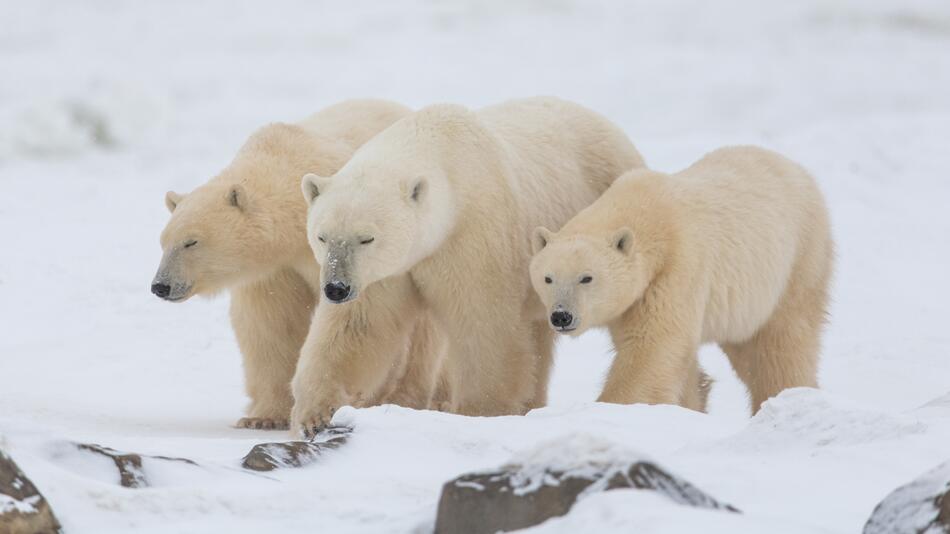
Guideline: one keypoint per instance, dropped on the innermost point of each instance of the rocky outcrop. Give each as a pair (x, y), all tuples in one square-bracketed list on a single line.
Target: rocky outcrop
[(23, 510), (269, 456), (129, 465), (921, 506), (521, 495)]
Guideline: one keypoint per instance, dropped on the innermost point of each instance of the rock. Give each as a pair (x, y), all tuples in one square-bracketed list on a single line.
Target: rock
[(129, 465), (920, 507), (23, 510), (269, 456), (522, 495)]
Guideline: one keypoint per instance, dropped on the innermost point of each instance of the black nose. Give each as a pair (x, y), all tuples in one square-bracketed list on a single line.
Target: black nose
[(336, 291), (161, 290), (561, 319)]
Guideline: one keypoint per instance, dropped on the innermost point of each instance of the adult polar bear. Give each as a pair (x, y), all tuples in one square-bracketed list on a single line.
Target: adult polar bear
[(244, 230), (735, 250), (450, 196)]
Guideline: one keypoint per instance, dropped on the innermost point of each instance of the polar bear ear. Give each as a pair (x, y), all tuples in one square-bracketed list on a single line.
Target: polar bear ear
[(622, 240), (313, 186), (540, 239), (172, 199), (237, 197)]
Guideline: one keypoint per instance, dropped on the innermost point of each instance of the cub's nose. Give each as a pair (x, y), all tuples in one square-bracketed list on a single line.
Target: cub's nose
[(336, 291), (560, 319), (161, 290)]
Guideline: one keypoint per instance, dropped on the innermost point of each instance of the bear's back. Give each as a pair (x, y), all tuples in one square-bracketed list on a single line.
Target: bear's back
[(748, 212), (562, 155), (356, 121)]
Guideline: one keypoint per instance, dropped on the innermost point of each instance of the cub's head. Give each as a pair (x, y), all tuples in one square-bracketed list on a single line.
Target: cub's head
[(241, 224), (372, 223), (586, 280)]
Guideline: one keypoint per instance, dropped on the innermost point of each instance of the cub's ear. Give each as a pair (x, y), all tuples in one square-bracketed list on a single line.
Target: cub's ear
[(237, 197), (313, 186), (540, 239), (622, 240), (172, 199)]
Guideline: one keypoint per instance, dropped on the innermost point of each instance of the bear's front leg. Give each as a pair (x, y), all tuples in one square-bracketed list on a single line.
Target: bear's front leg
[(270, 319), (349, 354), (317, 384), (654, 363)]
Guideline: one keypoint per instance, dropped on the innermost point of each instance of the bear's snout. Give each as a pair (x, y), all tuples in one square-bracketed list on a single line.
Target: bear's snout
[(161, 290), (336, 291), (562, 320)]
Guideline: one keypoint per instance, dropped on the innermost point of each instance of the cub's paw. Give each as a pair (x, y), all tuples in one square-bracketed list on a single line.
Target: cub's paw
[(263, 423)]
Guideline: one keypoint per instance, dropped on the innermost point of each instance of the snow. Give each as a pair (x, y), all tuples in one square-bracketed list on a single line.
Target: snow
[(26, 506), (574, 456), (104, 106)]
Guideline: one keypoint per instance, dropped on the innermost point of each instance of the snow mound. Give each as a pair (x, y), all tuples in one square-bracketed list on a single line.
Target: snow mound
[(66, 125), (804, 418), (644, 512)]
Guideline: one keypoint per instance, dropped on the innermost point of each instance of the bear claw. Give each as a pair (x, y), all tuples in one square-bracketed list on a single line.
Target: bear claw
[(262, 423)]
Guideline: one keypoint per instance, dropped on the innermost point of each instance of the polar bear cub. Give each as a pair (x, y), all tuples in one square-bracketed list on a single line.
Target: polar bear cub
[(734, 250)]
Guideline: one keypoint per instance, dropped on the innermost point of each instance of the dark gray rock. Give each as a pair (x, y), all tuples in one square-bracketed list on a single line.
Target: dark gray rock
[(129, 465), (506, 500), (269, 456), (23, 510), (921, 506)]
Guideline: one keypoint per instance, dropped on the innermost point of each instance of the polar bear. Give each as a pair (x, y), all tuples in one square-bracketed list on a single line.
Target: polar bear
[(244, 231), (449, 196), (735, 250)]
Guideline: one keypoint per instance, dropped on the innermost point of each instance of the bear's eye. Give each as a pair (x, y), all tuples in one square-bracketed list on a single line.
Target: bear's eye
[(190, 243), (321, 239), (367, 241), (587, 279), (547, 280)]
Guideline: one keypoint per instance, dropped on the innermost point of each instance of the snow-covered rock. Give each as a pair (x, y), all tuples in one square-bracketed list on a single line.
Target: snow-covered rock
[(919, 507), (129, 465), (23, 510), (270, 456), (547, 481)]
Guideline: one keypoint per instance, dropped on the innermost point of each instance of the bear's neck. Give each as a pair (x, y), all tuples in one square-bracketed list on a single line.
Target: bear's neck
[(653, 218)]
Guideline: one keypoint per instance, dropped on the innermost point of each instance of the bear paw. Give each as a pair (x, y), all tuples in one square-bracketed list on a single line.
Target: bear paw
[(310, 421), (263, 423)]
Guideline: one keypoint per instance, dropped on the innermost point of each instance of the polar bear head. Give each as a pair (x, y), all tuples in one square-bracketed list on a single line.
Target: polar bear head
[(586, 280), (244, 223), (369, 222)]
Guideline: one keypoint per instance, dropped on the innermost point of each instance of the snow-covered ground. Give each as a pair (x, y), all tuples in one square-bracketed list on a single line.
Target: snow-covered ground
[(104, 105)]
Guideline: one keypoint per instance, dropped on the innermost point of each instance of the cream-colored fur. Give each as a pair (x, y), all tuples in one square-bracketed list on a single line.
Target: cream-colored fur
[(449, 196), (735, 250), (247, 226)]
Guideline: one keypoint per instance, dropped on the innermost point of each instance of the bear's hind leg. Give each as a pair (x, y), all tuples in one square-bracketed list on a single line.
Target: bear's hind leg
[(784, 353), (493, 373), (417, 386), (696, 392)]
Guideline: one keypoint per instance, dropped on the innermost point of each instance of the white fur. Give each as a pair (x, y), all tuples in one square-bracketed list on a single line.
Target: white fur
[(485, 179), (735, 250), (246, 228)]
